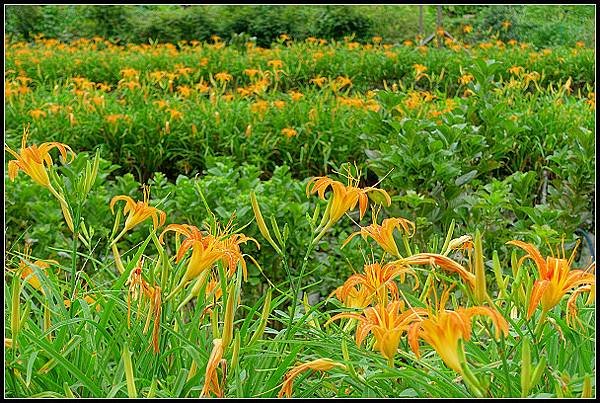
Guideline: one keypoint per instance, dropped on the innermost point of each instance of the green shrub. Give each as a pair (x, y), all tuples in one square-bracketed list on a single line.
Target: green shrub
[(172, 25), (336, 22)]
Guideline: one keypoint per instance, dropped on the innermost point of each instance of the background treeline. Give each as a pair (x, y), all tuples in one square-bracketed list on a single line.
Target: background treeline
[(539, 25)]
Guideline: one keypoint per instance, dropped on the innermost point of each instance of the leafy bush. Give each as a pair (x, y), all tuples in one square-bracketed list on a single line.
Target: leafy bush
[(172, 25), (337, 22)]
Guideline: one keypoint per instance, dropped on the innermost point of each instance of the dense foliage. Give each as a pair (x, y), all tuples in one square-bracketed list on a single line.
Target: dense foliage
[(474, 164)]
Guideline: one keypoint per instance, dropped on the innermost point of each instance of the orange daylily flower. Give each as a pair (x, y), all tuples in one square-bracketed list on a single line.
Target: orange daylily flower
[(232, 255), (276, 64), (138, 212), (223, 77), (387, 323), (289, 132), (34, 160), (344, 197), (465, 79), (383, 234), (516, 70), (26, 272), (373, 285), (207, 250), (556, 278), (443, 328), (321, 364), (211, 380), (419, 71)]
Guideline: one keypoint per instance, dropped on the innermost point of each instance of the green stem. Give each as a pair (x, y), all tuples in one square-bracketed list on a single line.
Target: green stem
[(74, 250), (540, 325), (297, 289)]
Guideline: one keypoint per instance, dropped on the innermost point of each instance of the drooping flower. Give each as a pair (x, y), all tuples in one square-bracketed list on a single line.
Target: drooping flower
[(137, 212), (138, 288), (556, 278), (442, 261), (321, 364)]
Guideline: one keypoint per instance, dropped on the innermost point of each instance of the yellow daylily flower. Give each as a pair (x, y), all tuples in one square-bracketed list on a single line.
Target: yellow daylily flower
[(443, 328), (137, 212), (35, 160), (387, 323), (556, 279), (344, 197), (321, 364), (374, 284), (383, 234)]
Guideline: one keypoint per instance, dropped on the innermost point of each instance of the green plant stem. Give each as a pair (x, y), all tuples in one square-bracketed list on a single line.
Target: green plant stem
[(540, 325), (74, 250), (296, 290)]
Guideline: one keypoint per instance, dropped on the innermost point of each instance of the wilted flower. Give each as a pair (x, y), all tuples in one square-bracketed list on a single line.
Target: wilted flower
[(211, 379), (321, 364), (439, 260)]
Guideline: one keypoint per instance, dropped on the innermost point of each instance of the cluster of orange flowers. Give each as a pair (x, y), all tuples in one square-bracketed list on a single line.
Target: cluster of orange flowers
[(384, 313)]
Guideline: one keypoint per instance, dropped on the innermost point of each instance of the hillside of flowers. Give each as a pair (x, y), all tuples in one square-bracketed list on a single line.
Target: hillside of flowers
[(319, 218)]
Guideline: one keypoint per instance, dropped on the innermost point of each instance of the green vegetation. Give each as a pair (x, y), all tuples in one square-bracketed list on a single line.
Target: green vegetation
[(234, 273)]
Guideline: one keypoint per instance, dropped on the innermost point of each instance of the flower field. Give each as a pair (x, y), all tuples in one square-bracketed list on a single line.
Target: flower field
[(315, 219)]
